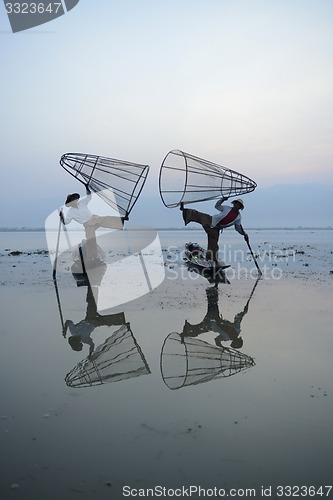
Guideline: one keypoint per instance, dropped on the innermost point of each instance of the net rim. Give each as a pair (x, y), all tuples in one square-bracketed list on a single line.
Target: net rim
[(173, 151)]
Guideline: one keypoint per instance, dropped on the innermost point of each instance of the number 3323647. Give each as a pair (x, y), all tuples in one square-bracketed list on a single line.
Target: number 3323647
[(32, 8)]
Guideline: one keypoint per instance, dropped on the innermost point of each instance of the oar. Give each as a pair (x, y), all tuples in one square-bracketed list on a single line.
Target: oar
[(65, 231), (57, 250), (252, 254)]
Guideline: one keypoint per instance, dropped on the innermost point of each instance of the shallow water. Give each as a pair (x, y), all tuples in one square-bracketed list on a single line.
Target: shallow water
[(263, 421)]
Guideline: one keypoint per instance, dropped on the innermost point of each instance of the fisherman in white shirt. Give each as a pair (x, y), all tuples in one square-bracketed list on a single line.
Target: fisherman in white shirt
[(79, 212)]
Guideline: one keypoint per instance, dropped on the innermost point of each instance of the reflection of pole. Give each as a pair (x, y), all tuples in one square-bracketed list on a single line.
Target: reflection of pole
[(59, 307), (57, 250), (251, 294), (82, 260), (55, 271)]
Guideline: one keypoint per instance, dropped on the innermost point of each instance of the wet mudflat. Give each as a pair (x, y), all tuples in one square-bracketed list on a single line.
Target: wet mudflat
[(164, 399)]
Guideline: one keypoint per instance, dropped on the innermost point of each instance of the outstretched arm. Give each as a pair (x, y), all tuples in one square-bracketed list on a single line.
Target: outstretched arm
[(218, 204), (87, 198)]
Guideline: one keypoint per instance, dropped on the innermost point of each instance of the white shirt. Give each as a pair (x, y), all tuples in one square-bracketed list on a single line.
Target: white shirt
[(224, 210), (81, 213)]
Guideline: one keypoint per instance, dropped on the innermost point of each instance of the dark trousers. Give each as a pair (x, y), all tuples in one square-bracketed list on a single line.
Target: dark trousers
[(213, 233)]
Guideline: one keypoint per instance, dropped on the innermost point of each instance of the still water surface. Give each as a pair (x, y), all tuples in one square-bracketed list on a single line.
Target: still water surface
[(159, 401)]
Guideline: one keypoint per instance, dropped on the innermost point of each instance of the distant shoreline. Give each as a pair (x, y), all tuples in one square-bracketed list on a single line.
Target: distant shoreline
[(299, 228)]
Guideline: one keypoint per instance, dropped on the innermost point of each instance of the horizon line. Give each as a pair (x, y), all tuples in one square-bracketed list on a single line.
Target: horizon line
[(42, 229)]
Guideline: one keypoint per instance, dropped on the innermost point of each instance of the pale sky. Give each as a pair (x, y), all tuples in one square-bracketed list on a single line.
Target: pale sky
[(243, 83)]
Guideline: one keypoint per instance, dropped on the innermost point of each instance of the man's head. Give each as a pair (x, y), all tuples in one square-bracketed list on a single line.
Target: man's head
[(75, 343), (237, 343), (72, 198), (238, 204)]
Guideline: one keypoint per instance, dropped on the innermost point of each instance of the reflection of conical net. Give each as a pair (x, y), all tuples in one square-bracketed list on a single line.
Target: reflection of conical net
[(190, 361), (119, 358), (186, 178), (119, 183)]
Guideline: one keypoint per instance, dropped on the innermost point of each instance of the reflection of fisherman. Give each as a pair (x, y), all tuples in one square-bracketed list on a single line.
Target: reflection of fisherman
[(81, 332), (214, 225), (80, 212), (213, 321)]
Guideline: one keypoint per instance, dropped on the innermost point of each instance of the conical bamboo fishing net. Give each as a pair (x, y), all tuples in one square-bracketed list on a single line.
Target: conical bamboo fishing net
[(119, 183), (188, 361), (185, 178), (119, 358)]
